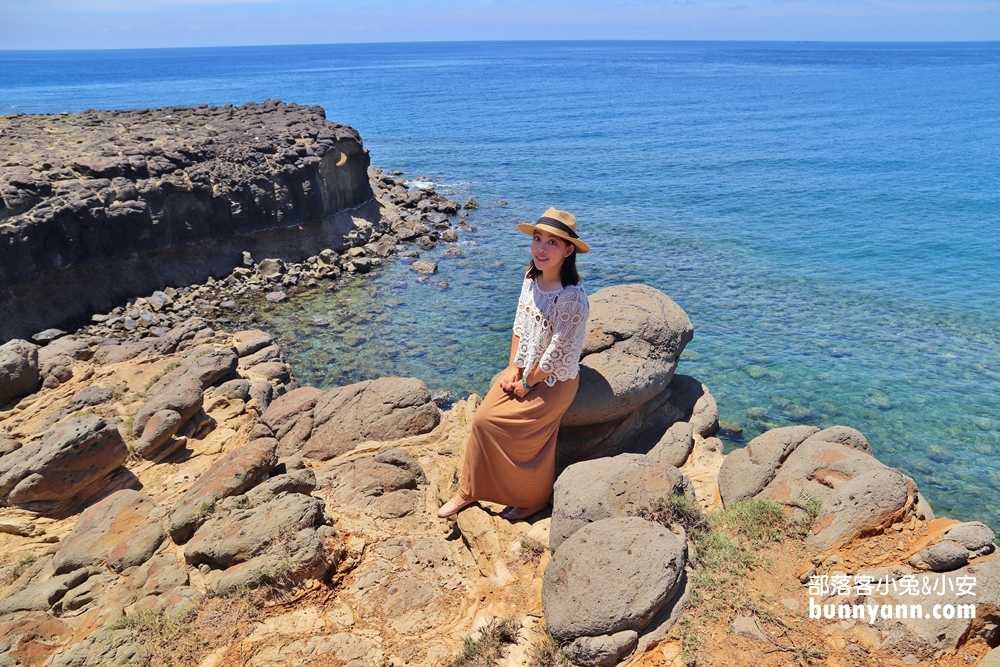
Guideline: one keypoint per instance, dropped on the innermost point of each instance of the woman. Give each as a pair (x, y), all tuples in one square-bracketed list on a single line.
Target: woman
[(510, 454)]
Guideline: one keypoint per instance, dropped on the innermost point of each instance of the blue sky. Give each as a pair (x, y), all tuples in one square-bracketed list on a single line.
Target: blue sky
[(82, 24)]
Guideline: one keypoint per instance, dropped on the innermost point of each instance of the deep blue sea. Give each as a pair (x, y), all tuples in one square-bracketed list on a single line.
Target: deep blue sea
[(827, 214)]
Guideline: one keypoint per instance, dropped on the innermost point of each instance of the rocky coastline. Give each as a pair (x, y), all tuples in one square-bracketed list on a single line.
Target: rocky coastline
[(99, 206), (169, 494)]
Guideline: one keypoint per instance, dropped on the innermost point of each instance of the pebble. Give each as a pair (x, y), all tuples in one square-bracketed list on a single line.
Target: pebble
[(276, 297)]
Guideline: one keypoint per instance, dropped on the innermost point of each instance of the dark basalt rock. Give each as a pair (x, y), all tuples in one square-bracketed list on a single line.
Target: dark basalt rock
[(102, 192)]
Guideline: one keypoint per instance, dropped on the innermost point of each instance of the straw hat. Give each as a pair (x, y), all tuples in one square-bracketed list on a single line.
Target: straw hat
[(558, 223)]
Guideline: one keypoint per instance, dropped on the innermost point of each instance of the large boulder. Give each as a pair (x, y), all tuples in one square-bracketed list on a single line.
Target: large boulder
[(816, 468), (865, 505), (207, 365), (383, 485), (233, 537), (301, 556), (231, 475), (745, 472), (19, 370), (610, 576), (67, 465), (610, 487), (290, 418), (120, 531), (637, 432), (385, 409), (183, 397), (634, 336), (843, 435)]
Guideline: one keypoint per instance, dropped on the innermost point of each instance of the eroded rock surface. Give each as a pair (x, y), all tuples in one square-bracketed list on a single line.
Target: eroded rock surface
[(634, 336), (611, 575), (121, 531), (384, 409), (66, 465), (616, 486), (229, 476), (88, 188)]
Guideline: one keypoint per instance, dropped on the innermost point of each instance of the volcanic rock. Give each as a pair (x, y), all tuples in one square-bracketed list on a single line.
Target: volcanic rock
[(67, 464), (120, 531), (634, 336)]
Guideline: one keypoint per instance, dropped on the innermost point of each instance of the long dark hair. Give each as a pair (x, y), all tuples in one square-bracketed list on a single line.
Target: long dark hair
[(567, 274)]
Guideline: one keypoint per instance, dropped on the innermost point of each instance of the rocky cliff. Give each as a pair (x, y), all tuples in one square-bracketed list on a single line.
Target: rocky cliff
[(99, 206)]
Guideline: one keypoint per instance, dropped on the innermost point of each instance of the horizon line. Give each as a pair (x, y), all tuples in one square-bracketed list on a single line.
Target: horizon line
[(508, 41)]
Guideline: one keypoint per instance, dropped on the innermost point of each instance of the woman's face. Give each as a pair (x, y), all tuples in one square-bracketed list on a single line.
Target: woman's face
[(548, 250)]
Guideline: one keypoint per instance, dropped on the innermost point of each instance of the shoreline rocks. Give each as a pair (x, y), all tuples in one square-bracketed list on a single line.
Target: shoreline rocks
[(196, 465), (134, 187)]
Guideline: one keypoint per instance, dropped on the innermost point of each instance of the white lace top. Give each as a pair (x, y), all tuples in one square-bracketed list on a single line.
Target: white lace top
[(551, 327)]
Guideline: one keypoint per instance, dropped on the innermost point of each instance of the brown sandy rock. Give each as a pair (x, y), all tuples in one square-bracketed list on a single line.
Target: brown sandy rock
[(865, 505), (45, 594), (230, 538), (290, 418), (745, 472), (115, 353), (248, 342), (610, 487), (29, 638), (385, 409), (290, 560), (294, 481), (231, 475), (66, 465), (634, 336), (105, 648), (8, 444), (160, 428), (175, 602), (183, 397), (120, 531), (382, 485), (207, 365)]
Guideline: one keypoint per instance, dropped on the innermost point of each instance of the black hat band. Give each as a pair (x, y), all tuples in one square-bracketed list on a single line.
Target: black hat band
[(552, 222)]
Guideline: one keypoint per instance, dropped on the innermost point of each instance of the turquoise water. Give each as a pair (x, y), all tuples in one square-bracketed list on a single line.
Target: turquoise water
[(826, 214)]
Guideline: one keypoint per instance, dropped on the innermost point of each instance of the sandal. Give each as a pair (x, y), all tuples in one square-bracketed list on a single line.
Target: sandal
[(521, 513), (453, 506)]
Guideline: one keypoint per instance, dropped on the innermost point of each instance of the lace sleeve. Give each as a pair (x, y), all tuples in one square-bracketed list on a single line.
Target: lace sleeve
[(561, 358), (519, 320)]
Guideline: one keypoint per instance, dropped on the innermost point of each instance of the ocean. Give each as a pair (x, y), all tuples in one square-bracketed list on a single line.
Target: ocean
[(826, 213)]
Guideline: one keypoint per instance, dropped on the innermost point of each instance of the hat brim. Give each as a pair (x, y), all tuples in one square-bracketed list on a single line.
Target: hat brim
[(529, 229)]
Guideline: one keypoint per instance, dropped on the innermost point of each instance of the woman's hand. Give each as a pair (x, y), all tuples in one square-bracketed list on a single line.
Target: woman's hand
[(510, 378), (519, 390)]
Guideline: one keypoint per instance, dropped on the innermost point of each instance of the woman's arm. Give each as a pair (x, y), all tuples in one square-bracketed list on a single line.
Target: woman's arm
[(512, 374)]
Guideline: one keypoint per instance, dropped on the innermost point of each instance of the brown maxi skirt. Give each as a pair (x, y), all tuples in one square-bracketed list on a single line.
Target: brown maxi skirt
[(510, 457)]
